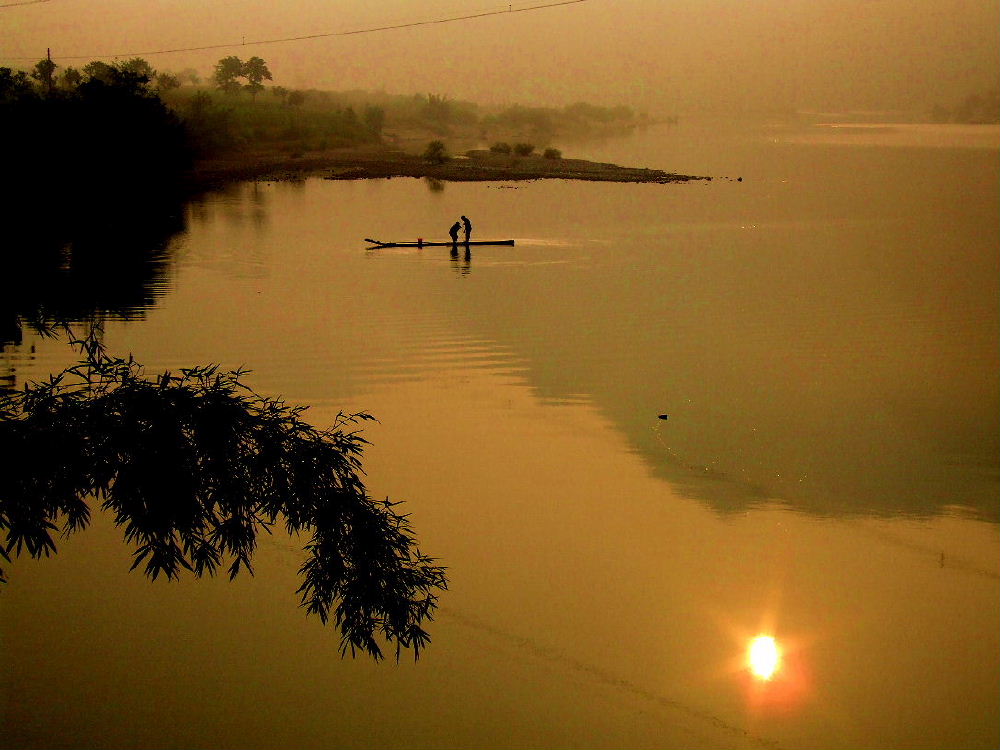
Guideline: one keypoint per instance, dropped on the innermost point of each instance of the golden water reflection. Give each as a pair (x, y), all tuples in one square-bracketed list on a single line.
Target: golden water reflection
[(763, 657), (590, 606)]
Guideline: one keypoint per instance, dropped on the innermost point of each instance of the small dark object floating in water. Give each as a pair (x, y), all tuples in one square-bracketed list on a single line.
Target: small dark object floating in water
[(664, 416), (421, 243)]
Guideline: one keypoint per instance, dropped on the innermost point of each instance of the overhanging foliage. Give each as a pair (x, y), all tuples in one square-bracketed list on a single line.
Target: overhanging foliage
[(192, 466)]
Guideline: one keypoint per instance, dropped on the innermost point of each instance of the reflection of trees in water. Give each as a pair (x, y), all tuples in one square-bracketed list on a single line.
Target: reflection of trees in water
[(100, 169), (735, 440), (94, 270), (434, 185)]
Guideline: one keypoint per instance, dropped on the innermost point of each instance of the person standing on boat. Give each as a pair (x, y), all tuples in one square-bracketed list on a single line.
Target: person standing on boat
[(454, 232), (468, 228)]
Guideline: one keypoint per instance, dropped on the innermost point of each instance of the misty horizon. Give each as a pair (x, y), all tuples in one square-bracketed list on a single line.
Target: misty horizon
[(683, 57)]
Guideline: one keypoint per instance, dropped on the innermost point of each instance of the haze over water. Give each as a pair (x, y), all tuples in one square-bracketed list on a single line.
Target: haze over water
[(822, 338)]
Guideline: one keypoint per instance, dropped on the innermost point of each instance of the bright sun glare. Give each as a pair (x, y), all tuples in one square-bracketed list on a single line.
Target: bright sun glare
[(763, 657)]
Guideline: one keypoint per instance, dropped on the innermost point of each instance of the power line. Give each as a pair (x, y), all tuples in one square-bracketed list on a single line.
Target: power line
[(371, 30), (24, 2)]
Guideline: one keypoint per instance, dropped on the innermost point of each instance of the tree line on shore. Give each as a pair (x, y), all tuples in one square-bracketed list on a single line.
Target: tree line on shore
[(185, 116), (71, 142)]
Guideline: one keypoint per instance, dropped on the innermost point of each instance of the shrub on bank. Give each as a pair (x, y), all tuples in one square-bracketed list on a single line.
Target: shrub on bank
[(523, 149), (435, 153), (552, 153), (500, 148)]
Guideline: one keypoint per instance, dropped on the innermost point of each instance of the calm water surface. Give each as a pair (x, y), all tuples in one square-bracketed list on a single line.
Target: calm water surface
[(823, 337)]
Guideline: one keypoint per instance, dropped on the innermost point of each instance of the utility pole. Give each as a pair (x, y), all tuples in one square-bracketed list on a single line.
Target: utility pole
[(51, 68)]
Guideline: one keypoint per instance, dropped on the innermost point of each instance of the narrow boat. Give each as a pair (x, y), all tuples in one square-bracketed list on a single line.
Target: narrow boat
[(422, 243)]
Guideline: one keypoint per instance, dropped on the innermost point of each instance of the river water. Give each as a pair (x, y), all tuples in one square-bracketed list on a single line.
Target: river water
[(821, 336)]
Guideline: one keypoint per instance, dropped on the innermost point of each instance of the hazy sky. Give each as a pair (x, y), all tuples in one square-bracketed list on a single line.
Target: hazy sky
[(660, 55)]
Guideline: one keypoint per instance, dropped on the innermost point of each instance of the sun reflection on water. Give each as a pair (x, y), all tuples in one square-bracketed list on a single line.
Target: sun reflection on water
[(763, 657), (775, 672)]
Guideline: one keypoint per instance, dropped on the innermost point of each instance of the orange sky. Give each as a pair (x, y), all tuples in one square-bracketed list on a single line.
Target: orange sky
[(658, 55)]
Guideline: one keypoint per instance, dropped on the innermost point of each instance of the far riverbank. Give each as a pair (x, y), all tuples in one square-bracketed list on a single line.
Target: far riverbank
[(381, 162)]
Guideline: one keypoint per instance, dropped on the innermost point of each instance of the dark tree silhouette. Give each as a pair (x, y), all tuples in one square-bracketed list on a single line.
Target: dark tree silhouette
[(166, 82), (435, 153), (281, 92), (15, 86), (255, 71), (70, 79), (100, 71), (44, 73), (138, 67), (108, 141), (192, 466), (227, 70)]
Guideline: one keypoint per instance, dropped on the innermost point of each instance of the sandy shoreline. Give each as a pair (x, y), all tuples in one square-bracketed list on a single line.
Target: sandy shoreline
[(477, 166)]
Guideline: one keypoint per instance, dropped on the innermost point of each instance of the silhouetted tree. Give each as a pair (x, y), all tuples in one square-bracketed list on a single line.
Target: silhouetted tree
[(70, 79), (97, 70), (296, 98), (125, 144), (166, 82), (227, 70), (192, 466), (436, 153), (137, 67), (43, 72), (281, 92), (15, 85), (255, 71)]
